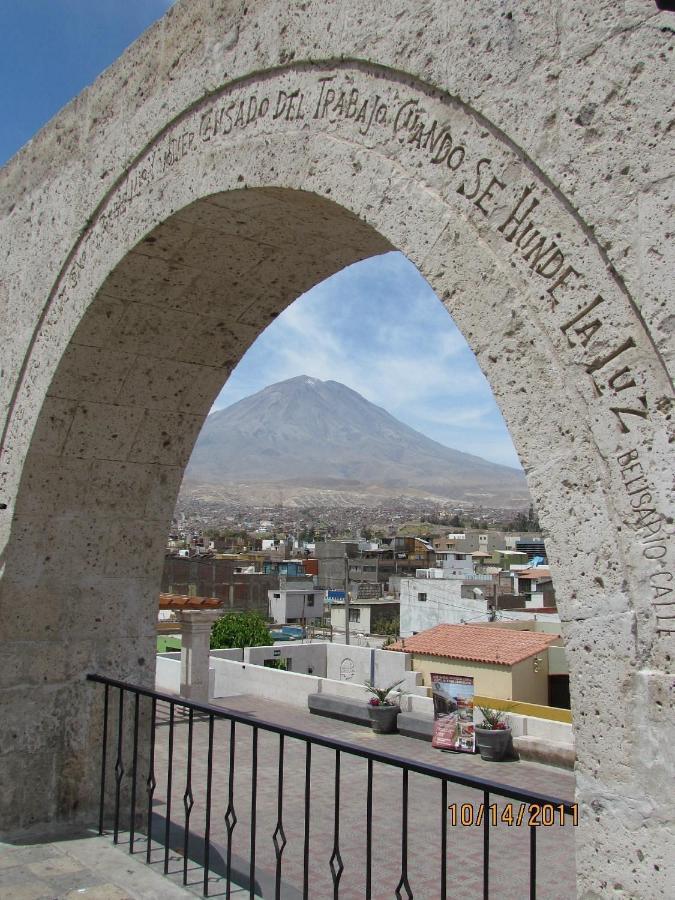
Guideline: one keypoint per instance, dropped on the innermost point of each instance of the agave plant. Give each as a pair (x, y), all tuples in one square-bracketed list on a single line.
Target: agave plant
[(381, 695), (493, 719)]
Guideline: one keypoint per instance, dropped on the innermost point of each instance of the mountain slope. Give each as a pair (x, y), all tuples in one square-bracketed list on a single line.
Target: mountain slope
[(321, 434)]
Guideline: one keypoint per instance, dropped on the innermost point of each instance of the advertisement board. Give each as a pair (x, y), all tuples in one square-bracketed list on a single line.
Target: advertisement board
[(453, 713)]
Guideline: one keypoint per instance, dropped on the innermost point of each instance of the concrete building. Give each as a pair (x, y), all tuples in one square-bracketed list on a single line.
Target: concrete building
[(536, 585), (455, 563), (297, 601), (435, 594), (232, 580), (285, 568), (363, 562), (472, 540), (426, 602), (365, 616)]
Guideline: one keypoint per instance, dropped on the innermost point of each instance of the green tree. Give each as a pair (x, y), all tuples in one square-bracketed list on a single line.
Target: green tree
[(246, 629), (387, 625)]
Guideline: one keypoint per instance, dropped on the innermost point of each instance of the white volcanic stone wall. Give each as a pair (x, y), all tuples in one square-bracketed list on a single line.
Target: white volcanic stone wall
[(232, 158)]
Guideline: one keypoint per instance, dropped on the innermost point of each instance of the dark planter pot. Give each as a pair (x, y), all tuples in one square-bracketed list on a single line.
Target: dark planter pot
[(494, 743), (383, 718)]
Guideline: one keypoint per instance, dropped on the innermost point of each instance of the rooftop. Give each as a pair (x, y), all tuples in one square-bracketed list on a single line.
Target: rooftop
[(367, 601), (477, 643), (541, 574), (182, 601)]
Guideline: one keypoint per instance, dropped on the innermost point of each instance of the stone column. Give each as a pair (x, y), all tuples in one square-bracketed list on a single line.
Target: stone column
[(194, 655)]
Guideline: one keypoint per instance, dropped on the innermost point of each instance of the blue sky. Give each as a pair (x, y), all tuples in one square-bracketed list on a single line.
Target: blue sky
[(376, 327)]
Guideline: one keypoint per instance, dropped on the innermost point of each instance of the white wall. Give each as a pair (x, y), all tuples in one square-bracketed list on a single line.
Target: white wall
[(167, 672), (355, 665), (234, 678), (340, 662), (234, 672), (293, 688), (302, 656), (235, 653), (444, 604)]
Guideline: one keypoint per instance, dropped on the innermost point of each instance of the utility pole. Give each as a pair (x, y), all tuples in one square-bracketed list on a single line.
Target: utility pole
[(346, 597)]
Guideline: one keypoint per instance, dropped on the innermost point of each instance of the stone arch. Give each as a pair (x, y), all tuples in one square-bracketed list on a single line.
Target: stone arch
[(352, 159)]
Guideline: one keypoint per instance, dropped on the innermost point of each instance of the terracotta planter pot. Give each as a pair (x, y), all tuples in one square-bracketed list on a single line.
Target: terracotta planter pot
[(494, 743), (383, 718)]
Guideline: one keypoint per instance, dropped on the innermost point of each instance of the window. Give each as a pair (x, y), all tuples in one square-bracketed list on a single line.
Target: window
[(277, 596), (421, 597), (310, 599), (354, 615)]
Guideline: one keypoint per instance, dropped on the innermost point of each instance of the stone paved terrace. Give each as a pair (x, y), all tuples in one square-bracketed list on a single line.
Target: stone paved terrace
[(85, 865), (509, 845), (80, 865)]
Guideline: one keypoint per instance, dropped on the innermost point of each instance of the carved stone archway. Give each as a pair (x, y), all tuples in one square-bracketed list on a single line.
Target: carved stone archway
[(158, 225)]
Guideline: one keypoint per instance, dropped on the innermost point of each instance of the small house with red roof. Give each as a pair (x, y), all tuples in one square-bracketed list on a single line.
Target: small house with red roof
[(505, 664)]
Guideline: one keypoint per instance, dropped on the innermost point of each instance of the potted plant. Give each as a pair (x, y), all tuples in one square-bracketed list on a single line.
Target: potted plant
[(383, 709), (493, 735)]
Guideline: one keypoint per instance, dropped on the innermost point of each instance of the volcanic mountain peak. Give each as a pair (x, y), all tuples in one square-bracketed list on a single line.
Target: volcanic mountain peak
[(307, 431)]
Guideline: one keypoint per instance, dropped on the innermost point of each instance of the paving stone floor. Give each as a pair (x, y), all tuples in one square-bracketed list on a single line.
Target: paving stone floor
[(80, 865)]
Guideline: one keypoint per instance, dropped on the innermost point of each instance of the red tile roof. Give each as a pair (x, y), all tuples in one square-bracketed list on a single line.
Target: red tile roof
[(477, 643), (182, 601), (539, 574)]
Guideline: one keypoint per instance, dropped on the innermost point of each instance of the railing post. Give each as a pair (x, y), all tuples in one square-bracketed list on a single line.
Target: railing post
[(444, 839), (119, 763), (369, 832), (254, 811), (151, 783), (188, 799), (230, 815), (169, 786), (335, 863), (279, 837), (207, 819), (533, 862), (486, 844), (104, 750), (134, 766), (308, 778)]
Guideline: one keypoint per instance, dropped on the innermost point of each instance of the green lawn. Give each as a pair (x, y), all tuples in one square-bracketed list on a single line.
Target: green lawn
[(167, 644)]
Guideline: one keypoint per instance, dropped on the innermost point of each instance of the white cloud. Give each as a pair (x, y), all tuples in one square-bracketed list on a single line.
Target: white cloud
[(378, 328)]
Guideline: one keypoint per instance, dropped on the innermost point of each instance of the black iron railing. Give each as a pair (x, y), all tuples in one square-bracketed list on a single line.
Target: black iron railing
[(231, 791)]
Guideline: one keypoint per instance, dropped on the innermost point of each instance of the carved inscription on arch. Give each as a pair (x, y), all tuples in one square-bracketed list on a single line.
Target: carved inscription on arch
[(475, 169)]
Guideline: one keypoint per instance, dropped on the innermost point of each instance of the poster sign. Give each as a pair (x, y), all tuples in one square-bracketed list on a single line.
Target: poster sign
[(453, 713)]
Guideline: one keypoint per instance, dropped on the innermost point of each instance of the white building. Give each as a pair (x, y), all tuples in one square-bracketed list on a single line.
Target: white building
[(365, 616), (434, 596), (296, 603), (429, 601), (455, 563)]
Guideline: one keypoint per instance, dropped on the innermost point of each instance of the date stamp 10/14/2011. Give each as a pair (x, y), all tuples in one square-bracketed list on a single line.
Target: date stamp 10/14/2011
[(534, 815)]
